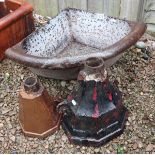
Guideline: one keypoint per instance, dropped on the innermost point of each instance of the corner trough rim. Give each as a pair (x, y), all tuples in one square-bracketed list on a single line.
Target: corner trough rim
[(18, 54)]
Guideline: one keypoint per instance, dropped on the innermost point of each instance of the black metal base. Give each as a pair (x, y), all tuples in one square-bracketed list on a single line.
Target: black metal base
[(85, 138), (94, 113)]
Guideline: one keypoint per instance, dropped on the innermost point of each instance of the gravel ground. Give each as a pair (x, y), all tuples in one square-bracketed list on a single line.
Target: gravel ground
[(135, 72), (137, 83)]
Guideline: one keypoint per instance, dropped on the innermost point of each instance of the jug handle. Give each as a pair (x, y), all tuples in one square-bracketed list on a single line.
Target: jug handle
[(63, 108)]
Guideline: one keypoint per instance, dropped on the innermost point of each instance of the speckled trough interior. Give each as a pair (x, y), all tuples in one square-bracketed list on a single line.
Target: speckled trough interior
[(75, 33)]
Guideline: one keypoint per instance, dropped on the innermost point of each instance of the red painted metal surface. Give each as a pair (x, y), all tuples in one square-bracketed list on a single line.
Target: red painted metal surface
[(16, 22)]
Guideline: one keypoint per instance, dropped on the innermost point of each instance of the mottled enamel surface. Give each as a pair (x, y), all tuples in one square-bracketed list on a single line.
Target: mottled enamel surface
[(75, 33)]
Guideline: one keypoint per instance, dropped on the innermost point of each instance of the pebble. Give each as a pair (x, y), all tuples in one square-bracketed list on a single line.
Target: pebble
[(108, 151), (1, 100), (51, 138), (141, 93), (22, 77), (1, 139), (129, 119), (135, 146), (151, 115), (50, 150), (64, 138), (71, 146), (145, 56), (153, 54), (150, 147), (114, 146), (13, 131), (82, 151), (70, 88), (140, 45), (153, 45), (1, 77), (73, 82), (35, 145), (63, 83), (9, 126), (1, 125), (140, 144), (4, 111), (13, 138), (5, 145), (96, 150), (127, 123), (11, 113), (138, 50), (7, 75), (14, 152), (46, 146), (1, 104), (119, 80)]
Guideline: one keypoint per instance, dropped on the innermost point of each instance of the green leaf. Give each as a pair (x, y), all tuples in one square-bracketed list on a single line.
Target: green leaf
[(120, 149)]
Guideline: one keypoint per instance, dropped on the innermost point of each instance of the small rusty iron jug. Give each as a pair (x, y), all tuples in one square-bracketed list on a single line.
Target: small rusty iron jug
[(93, 113), (37, 110)]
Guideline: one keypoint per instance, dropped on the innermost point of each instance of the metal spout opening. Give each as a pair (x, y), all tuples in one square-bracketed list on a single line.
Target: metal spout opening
[(94, 63), (31, 84)]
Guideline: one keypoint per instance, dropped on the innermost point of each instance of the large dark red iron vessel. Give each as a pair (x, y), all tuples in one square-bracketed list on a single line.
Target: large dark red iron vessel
[(93, 113)]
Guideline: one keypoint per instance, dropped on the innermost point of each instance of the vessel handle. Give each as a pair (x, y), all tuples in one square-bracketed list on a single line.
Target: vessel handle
[(63, 108)]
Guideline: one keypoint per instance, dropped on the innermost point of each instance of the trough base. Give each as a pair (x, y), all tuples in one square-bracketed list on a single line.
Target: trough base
[(68, 73), (63, 74), (99, 138)]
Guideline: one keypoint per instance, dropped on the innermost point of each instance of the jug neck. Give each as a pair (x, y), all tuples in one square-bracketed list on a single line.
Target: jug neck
[(94, 70), (31, 85), (94, 65)]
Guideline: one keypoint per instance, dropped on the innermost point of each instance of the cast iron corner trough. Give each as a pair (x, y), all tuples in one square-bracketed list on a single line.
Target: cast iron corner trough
[(16, 22), (59, 48)]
